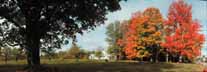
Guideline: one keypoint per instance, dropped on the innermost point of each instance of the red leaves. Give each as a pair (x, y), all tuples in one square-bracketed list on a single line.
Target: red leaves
[(181, 33), (180, 12), (184, 38)]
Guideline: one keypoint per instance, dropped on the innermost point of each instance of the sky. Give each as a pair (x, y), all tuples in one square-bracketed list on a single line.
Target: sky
[(97, 38)]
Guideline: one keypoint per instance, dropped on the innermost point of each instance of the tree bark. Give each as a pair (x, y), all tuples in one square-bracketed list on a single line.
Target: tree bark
[(33, 44), (35, 54), (6, 58), (31, 10), (155, 53), (33, 51)]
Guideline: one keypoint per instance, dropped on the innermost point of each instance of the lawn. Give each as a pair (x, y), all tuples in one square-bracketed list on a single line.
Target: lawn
[(101, 66)]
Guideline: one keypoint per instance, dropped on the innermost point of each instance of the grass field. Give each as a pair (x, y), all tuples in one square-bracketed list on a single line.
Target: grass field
[(101, 66)]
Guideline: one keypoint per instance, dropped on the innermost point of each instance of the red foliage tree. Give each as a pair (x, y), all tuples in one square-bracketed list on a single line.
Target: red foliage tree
[(182, 32)]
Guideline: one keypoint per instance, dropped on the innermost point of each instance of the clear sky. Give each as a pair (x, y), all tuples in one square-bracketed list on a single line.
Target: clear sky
[(95, 39)]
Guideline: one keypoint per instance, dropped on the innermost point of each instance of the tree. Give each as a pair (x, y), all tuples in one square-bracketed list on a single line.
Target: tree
[(84, 54), (35, 24), (61, 54), (16, 53), (98, 54), (6, 53), (115, 32), (9, 53), (182, 32), (152, 33), (74, 51), (143, 37), (48, 52)]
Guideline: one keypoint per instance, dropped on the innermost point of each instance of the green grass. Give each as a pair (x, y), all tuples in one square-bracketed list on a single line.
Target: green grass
[(71, 65)]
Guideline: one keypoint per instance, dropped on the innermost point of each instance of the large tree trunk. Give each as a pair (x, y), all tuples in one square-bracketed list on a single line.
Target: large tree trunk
[(31, 10), (33, 44), (155, 53), (33, 51), (6, 58), (35, 54)]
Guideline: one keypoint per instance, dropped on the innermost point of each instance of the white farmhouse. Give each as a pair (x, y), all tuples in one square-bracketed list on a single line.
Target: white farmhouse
[(105, 56)]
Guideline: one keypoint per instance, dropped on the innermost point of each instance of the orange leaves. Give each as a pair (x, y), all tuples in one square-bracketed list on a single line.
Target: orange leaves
[(130, 50), (158, 33), (147, 29), (143, 32), (154, 16)]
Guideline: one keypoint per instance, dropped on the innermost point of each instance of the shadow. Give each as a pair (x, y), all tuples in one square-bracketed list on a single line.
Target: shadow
[(10, 67), (113, 67), (101, 67)]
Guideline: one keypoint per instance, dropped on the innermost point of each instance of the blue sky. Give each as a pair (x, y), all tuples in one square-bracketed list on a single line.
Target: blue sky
[(96, 39)]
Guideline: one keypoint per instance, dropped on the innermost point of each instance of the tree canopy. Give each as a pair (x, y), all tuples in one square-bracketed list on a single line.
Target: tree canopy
[(34, 24), (115, 32), (148, 34), (144, 34), (182, 32)]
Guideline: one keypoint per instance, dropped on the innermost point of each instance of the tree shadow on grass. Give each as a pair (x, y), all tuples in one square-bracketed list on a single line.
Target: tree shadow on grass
[(10, 67), (99, 67), (110, 67)]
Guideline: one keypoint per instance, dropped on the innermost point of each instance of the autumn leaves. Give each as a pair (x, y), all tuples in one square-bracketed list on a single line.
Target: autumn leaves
[(148, 34), (183, 32)]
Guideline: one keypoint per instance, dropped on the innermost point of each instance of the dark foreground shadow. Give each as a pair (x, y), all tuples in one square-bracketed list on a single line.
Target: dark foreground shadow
[(99, 67)]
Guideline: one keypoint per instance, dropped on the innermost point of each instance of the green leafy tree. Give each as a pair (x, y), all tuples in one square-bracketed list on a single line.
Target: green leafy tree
[(11, 53), (73, 52), (98, 53), (49, 53), (16, 53), (61, 54), (6, 53), (34, 24), (115, 32), (84, 54)]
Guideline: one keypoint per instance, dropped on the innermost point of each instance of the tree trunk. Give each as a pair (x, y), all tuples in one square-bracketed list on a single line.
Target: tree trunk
[(33, 44), (35, 54), (154, 53), (33, 51), (156, 56), (117, 57), (16, 58), (31, 11), (151, 59), (6, 58), (50, 58), (167, 57), (180, 58)]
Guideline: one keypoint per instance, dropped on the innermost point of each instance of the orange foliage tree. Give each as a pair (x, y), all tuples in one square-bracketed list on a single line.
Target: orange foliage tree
[(143, 35), (182, 37)]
